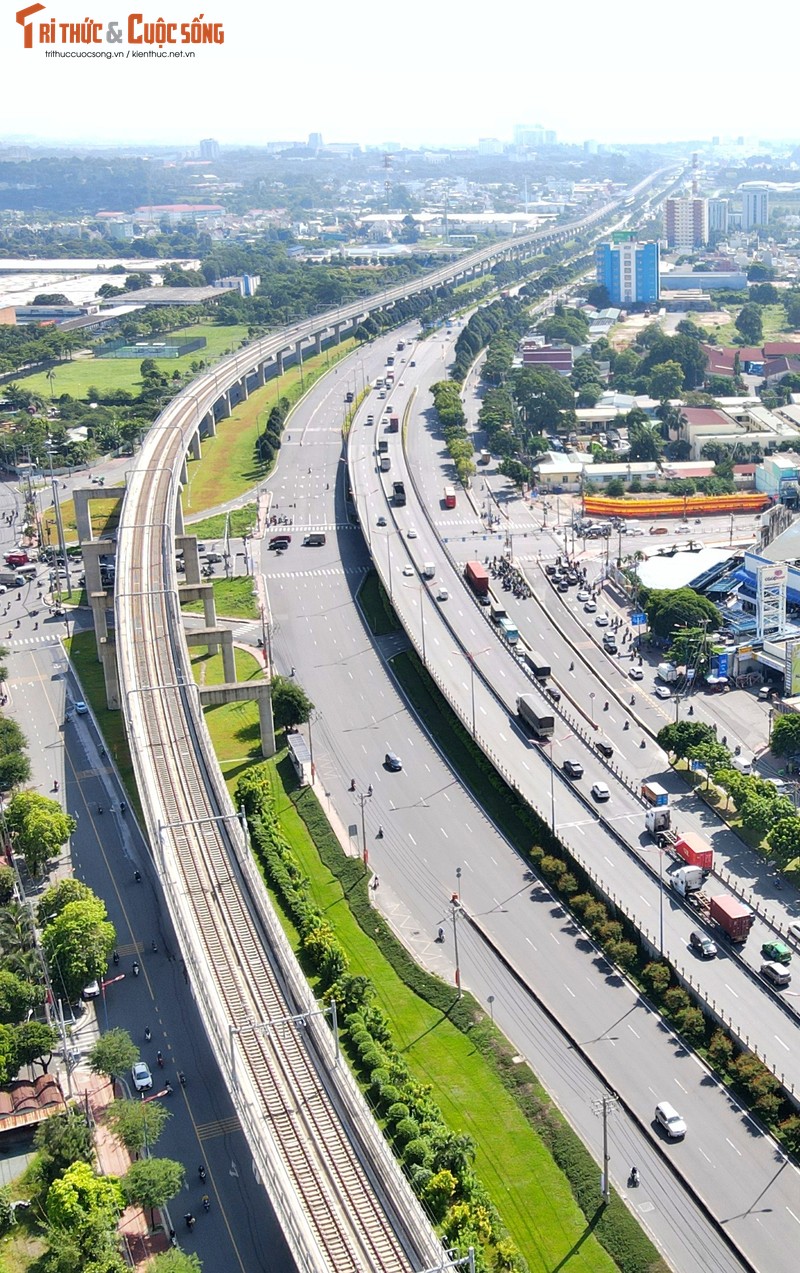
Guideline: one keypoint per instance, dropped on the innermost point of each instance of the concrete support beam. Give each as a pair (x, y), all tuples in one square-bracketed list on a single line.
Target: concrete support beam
[(99, 603), (209, 425), (239, 692), (108, 657), (200, 592), (261, 373), (213, 638), (318, 343), (179, 528), (82, 497), (187, 544), (93, 550), (184, 477), (243, 388)]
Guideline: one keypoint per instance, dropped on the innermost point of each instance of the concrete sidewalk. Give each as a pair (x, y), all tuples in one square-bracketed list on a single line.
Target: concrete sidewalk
[(141, 1242)]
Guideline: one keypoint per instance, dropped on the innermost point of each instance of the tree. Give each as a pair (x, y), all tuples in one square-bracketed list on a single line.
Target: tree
[(598, 296), (39, 827), (679, 737), (290, 703), (764, 294), (645, 443), (543, 395), (8, 882), (668, 609), (113, 1053), (175, 1261), (137, 1123), (615, 489), (784, 841), (748, 324), (709, 754), (589, 395), (56, 898), (61, 1140), (785, 739), (36, 1042), (151, 1182), (17, 997), (80, 1195), (760, 813), (666, 380), (78, 945)]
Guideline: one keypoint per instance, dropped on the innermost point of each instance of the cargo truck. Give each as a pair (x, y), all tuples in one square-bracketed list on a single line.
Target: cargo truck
[(667, 672), (654, 793), (690, 848), (537, 664), (477, 577), (449, 497), (386, 463), (11, 579), (394, 424), (687, 880), (17, 558), (509, 630), (539, 720), (497, 611), (398, 492), (734, 918)]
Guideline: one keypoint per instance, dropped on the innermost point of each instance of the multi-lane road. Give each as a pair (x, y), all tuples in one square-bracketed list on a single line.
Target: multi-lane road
[(431, 826)]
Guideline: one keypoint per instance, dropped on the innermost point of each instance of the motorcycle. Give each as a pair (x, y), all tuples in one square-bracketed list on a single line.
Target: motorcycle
[(135, 968)]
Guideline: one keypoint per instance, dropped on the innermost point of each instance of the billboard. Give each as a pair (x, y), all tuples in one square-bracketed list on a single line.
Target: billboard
[(793, 668)]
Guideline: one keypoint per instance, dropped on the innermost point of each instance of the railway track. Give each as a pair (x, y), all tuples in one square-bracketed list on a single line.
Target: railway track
[(342, 1200)]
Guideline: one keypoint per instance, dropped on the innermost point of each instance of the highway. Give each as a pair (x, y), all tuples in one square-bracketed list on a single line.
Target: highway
[(574, 820)]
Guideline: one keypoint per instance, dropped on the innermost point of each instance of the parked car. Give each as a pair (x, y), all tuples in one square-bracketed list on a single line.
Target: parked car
[(602, 620), (584, 595), (635, 673), (590, 607)]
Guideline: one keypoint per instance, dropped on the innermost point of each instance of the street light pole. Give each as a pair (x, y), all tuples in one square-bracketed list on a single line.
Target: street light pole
[(455, 902), (552, 790)]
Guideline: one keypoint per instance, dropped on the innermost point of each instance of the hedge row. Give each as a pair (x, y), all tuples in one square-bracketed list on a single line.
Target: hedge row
[(437, 1162)]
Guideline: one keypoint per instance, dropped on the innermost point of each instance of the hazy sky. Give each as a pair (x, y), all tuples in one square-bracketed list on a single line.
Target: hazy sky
[(413, 71)]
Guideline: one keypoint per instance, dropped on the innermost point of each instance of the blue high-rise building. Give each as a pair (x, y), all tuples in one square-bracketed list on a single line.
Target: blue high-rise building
[(629, 270)]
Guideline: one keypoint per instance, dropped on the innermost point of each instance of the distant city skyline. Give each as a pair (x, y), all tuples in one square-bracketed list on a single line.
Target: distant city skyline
[(424, 76)]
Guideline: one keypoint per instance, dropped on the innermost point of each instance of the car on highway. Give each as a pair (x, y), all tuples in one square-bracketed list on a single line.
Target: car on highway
[(393, 762), (81, 708), (635, 673), (584, 595), (776, 951), (610, 644), (600, 791), (604, 747), (485, 600), (381, 521), (702, 945), (413, 362), (217, 557), (370, 419), (408, 569), (142, 1078), (553, 693), (602, 620), (411, 533), (279, 541), (662, 691), (776, 974), (563, 585), (442, 594), (794, 930), (573, 768), (590, 607), (669, 1118)]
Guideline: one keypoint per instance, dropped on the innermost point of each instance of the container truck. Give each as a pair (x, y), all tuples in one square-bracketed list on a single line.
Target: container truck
[(734, 918), (11, 579), (17, 558), (654, 793), (484, 457), (394, 424), (509, 630), (398, 492), (690, 848), (539, 720), (477, 577), (537, 664), (667, 672)]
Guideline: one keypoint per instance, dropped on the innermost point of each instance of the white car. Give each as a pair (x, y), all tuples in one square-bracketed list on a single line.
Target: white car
[(661, 691), (590, 607), (636, 673), (584, 595), (408, 570), (442, 594), (600, 791), (142, 1078), (602, 620), (411, 533)]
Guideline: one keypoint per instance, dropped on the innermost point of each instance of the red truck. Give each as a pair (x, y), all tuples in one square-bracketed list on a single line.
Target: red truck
[(394, 424), (17, 559), (694, 851), (477, 577), (733, 917)]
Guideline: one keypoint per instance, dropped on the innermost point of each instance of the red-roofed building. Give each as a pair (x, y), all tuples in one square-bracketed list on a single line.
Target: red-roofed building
[(720, 361), (781, 348), (559, 360), (25, 1103), (776, 368)]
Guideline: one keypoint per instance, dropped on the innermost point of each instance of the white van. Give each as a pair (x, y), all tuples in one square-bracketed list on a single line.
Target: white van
[(743, 764), (429, 570)]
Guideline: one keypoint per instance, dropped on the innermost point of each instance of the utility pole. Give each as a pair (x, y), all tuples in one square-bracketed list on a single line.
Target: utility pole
[(603, 1108)]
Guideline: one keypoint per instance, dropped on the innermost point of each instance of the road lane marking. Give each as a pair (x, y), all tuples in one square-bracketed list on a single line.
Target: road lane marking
[(636, 1032), (444, 833), (411, 838), (783, 1045), (570, 992), (733, 992), (730, 1142)]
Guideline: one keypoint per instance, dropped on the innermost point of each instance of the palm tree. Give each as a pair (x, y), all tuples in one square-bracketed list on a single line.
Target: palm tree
[(51, 375)]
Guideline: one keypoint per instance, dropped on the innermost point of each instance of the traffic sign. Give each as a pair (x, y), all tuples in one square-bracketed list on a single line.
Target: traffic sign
[(638, 619)]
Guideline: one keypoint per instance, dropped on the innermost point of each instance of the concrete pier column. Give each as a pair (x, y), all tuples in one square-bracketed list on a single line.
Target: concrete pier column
[(184, 478), (266, 722), (318, 343), (179, 527), (210, 425), (243, 387), (261, 372), (209, 608), (108, 658), (194, 446)]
